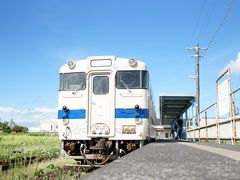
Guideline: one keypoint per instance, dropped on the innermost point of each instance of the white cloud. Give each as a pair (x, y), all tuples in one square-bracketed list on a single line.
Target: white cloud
[(45, 110), (9, 110), (234, 65), (27, 117)]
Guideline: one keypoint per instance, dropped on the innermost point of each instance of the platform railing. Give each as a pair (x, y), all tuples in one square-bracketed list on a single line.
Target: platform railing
[(225, 129)]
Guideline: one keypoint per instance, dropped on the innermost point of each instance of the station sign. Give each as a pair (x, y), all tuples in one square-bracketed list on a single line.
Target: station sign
[(224, 98)]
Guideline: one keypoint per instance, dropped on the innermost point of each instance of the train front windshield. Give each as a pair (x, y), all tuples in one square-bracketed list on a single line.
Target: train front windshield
[(132, 79), (72, 81)]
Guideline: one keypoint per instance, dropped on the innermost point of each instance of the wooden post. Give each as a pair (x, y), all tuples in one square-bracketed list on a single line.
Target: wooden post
[(206, 126)]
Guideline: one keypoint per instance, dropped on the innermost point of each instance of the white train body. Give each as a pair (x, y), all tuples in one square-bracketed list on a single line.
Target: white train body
[(104, 99)]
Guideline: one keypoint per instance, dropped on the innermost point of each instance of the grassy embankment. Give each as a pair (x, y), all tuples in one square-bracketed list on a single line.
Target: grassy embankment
[(29, 156)]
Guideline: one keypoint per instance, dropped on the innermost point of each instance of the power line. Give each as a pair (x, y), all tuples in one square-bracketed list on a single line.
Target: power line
[(208, 18), (197, 22), (221, 24)]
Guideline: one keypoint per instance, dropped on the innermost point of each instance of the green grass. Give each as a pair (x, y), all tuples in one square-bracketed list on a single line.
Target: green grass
[(21, 151), (34, 156), (54, 169), (14, 140), (14, 147)]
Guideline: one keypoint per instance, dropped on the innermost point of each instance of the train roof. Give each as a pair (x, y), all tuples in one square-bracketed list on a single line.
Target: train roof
[(102, 62)]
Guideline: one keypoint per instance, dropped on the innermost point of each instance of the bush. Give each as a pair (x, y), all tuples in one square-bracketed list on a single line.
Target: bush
[(18, 129), (6, 128)]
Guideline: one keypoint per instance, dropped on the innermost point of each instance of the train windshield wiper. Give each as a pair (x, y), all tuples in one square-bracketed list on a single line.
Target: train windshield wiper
[(77, 89), (125, 85)]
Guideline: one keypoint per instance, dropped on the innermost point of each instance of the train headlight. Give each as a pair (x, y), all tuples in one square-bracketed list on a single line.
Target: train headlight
[(132, 62), (65, 108), (71, 64), (137, 107), (65, 121)]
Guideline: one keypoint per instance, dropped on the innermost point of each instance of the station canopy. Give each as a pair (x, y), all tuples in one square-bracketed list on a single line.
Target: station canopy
[(172, 106)]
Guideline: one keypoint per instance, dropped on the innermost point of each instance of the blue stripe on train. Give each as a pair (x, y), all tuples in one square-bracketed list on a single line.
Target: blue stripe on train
[(72, 114), (119, 113), (131, 113)]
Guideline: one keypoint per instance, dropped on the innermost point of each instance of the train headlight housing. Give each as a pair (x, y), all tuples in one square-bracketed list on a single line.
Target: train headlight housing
[(71, 64), (138, 120), (65, 121), (65, 118), (132, 62)]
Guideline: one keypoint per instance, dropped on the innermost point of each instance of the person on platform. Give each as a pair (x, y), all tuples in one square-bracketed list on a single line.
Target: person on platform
[(174, 129), (179, 127)]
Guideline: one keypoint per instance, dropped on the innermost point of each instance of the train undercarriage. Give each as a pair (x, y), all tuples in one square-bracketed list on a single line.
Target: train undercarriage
[(97, 152)]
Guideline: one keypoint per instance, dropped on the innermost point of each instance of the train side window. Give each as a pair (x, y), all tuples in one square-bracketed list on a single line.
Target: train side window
[(100, 85), (61, 82), (145, 79)]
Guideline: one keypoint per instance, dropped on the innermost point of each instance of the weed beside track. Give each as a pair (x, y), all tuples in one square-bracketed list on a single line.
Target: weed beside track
[(34, 156)]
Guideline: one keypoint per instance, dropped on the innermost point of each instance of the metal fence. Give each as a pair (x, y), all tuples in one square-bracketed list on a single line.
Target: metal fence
[(211, 127)]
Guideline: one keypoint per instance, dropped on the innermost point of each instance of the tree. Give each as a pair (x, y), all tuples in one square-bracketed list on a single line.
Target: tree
[(17, 129), (5, 127)]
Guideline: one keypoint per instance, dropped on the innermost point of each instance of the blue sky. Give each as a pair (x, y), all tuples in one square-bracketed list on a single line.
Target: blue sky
[(37, 37)]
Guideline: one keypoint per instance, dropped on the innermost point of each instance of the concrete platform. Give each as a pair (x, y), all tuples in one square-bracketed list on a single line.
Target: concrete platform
[(174, 160)]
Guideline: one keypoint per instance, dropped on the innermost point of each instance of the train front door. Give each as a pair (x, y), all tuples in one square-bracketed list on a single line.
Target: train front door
[(101, 103)]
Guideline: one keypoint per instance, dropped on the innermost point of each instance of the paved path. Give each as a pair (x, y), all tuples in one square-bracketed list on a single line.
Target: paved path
[(174, 160)]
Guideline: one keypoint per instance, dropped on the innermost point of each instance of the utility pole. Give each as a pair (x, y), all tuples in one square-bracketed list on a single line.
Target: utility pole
[(197, 48)]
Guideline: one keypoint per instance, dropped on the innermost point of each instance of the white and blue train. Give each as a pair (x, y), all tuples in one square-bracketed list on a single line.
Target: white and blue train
[(105, 108)]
